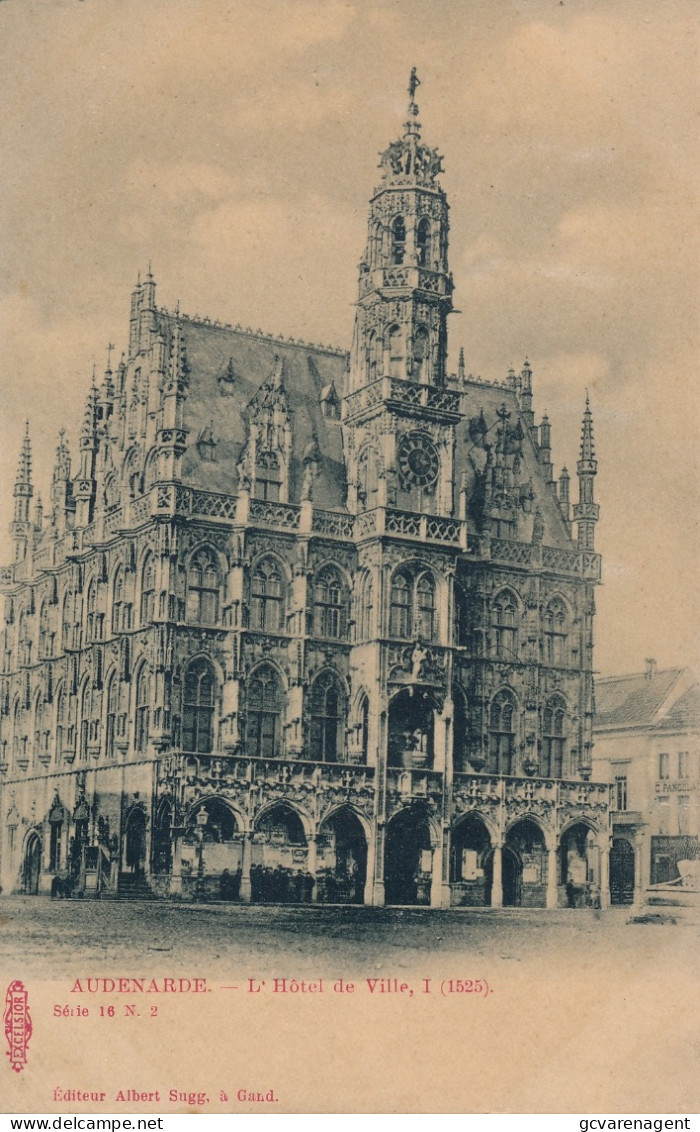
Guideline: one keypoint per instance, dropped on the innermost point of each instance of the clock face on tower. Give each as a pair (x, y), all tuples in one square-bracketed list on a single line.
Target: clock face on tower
[(419, 462)]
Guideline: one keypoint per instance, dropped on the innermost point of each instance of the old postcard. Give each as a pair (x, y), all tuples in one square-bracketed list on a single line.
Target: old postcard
[(349, 712)]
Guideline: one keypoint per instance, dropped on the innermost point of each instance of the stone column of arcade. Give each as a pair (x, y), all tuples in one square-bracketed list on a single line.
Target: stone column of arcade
[(436, 878), (371, 868), (497, 877), (604, 853), (378, 894), (311, 863), (247, 852), (638, 871), (552, 865)]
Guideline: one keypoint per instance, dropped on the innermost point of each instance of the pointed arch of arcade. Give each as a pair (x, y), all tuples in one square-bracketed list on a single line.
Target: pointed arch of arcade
[(411, 832), (345, 882), (579, 862), (161, 841), (524, 862), (225, 820), (473, 837), (285, 807)]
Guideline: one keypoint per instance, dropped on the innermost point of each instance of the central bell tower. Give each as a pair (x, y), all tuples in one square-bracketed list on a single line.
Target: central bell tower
[(399, 415), (405, 289)]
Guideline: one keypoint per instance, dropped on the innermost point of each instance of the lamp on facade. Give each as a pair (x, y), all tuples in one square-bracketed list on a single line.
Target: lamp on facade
[(201, 819)]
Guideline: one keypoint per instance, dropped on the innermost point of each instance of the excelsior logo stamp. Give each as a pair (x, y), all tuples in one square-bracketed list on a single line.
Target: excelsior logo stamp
[(18, 1024)]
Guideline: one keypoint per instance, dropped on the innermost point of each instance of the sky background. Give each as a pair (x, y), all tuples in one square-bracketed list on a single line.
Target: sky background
[(234, 145)]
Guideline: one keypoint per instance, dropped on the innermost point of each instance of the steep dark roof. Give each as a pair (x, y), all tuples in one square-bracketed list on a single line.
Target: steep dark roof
[(684, 715), (632, 701), (226, 368)]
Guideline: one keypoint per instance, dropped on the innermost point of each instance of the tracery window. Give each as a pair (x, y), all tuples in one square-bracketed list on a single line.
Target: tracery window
[(423, 242), (398, 240), (264, 710), (555, 633), (367, 609), (111, 720), (553, 740), (502, 718), (148, 590), (327, 719), (143, 709), (330, 618), (412, 608), (198, 707), (396, 351), (268, 478), (267, 604), (117, 600), (505, 626), (203, 586)]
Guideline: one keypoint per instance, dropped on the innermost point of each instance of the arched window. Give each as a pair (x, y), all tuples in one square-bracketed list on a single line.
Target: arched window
[(203, 588), (412, 609), (371, 357), (94, 617), (327, 719), (38, 725), (425, 591), (396, 351), (198, 708), (117, 600), (143, 709), (423, 242), (421, 354), (364, 726), (111, 720), (505, 626), (555, 633), (85, 713), (367, 479), (60, 721), (398, 240), (330, 618), (266, 606), (367, 609), (148, 590), (264, 714), (46, 634), (502, 734), (400, 620), (553, 740), (268, 477)]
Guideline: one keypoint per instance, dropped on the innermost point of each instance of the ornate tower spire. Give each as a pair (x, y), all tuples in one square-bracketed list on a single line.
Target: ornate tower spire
[(405, 289), (23, 493), (171, 437), (586, 511)]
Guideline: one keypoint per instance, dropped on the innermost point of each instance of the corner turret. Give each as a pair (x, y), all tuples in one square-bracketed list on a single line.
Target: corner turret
[(586, 511)]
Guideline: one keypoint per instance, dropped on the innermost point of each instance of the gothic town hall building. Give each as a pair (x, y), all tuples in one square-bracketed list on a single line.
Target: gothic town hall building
[(307, 625)]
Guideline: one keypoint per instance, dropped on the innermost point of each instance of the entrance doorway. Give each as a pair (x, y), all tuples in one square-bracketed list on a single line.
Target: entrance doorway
[(32, 865), (621, 872), (136, 842), (408, 859)]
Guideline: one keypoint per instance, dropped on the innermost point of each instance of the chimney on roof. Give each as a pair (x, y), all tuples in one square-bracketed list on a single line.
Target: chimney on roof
[(651, 668)]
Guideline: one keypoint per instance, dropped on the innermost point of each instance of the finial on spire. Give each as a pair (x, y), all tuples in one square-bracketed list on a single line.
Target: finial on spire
[(413, 84), (587, 445), (24, 467), (110, 347)]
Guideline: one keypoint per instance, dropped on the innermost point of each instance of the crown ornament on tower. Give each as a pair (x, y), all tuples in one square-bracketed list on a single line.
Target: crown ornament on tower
[(408, 161)]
